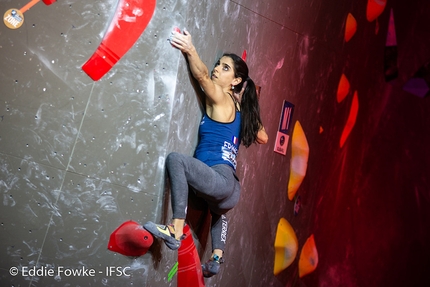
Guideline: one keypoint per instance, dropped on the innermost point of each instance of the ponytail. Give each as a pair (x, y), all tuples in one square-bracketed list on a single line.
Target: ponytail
[(249, 107), (250, 112)]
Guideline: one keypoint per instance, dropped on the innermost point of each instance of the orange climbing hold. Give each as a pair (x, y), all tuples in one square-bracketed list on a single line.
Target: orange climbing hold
[(375, 9), (343, 88), (286, 246), (351, 119), (308, 261), (350, 27), (299, 160)]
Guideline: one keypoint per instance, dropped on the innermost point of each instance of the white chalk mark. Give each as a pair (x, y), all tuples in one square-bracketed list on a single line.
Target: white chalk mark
[(27, 207), (158, 117), (151, 89), (134, 188), (303, 57), (54, 69), (161, 161), (8, 200), (280, 64), (33, 250)]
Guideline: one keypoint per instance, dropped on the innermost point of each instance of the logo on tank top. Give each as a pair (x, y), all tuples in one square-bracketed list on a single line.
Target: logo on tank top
[(229, 153)]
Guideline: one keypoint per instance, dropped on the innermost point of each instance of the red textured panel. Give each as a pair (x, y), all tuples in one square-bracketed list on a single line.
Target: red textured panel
[(189, 267), (130, 20)]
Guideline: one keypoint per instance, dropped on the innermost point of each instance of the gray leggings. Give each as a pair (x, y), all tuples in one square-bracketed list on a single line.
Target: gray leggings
[(217, 185)]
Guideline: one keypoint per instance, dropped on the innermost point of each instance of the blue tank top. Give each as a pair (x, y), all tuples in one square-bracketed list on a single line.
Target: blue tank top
[(218, 142)]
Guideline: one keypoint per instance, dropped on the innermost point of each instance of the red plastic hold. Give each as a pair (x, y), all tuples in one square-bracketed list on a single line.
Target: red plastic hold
[(244, 55), (190, 271), (176, 29), (49, 2), (130, 239), (129, 22)]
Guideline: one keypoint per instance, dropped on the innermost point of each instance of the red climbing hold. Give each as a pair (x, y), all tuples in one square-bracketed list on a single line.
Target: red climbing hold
[(129, 22), (49, 2), (130, 239), (352, 117), (244, 55)]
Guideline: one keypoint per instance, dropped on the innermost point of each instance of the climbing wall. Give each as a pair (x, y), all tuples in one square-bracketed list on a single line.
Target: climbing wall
[(90, 107), (79, 157)]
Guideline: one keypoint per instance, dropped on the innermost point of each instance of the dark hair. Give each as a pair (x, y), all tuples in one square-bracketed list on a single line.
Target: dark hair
[(249, 107)]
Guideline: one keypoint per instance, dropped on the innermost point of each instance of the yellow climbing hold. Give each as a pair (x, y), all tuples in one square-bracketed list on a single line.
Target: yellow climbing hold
[(286, 246), (299, 160)]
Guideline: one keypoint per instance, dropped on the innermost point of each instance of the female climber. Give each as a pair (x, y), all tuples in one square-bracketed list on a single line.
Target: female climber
[(231, 117)]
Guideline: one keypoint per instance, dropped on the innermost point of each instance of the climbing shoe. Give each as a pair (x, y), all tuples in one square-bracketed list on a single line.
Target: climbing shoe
[(211, 267), (163, 232)]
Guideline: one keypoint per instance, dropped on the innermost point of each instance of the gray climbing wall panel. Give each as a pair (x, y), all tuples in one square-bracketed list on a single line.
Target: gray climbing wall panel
[(80, 157)]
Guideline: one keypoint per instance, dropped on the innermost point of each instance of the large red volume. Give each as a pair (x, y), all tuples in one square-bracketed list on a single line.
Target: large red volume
[(129, 22), (189, 267)]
